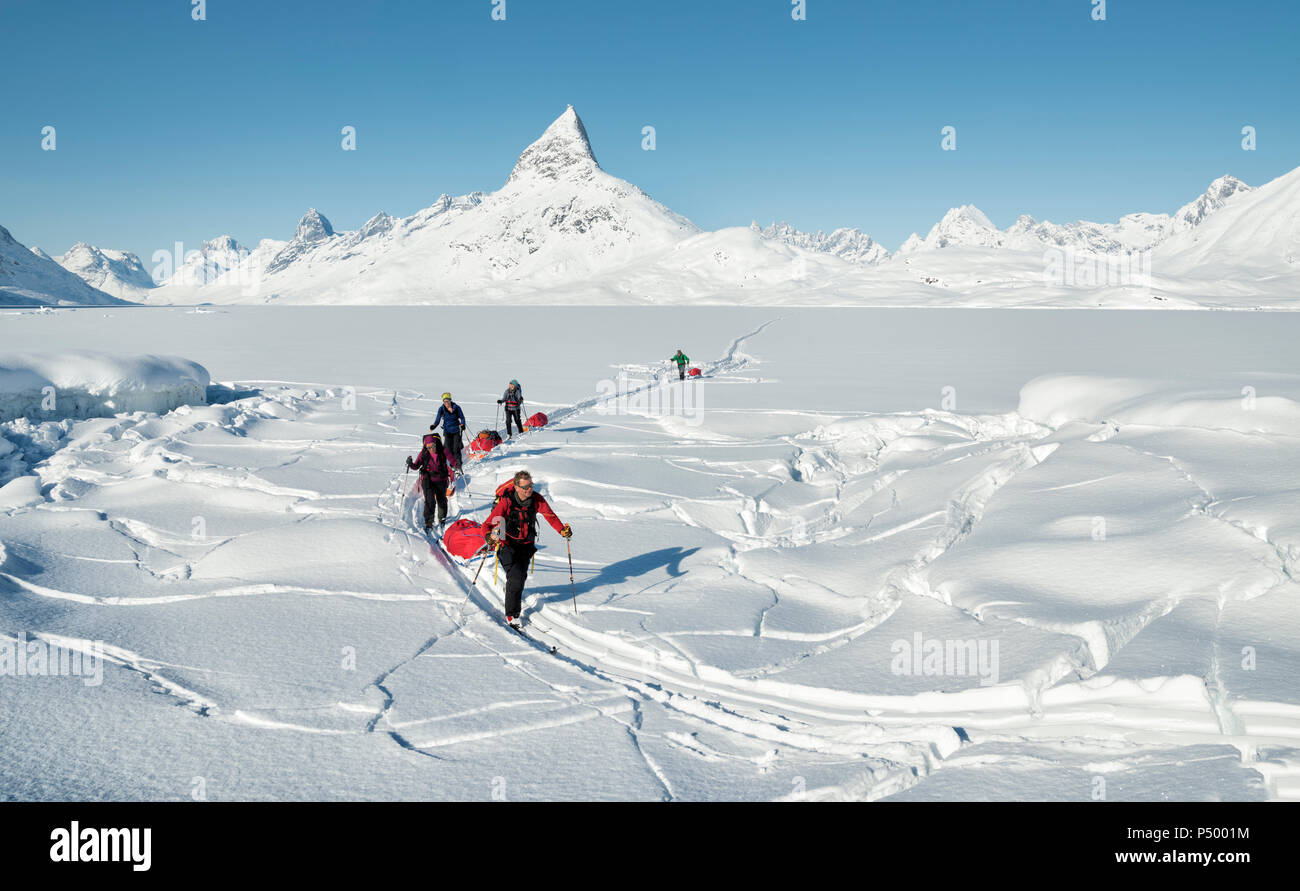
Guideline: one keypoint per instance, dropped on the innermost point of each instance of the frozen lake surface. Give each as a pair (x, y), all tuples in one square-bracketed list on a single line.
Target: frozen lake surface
[(866, 557)]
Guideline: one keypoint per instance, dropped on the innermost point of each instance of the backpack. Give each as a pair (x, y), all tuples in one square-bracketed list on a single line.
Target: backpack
[(486, 441), (537, 420)]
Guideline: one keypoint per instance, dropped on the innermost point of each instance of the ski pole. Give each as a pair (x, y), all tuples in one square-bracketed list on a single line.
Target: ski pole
[(480, 568), (495, 561), (574, 591)]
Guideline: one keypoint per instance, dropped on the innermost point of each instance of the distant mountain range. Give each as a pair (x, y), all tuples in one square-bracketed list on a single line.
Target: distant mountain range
[(33, 278), (562, 230)]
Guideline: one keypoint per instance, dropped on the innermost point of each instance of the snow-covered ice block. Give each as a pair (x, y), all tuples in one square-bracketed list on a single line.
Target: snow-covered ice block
[(86, 384)]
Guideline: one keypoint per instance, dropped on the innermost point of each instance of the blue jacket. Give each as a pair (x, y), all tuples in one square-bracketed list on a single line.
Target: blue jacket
[(452, 421)]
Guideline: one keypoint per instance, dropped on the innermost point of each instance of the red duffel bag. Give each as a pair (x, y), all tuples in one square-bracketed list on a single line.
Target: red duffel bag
[(463, 539), (694, 372), (486, 441), (537, 420)]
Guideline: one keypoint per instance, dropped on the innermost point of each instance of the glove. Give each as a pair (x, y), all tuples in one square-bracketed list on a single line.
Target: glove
[(499, 401), (409, 462), (566, 532)]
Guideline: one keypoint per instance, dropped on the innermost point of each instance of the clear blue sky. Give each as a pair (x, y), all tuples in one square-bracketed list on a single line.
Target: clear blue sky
[(168, 128)]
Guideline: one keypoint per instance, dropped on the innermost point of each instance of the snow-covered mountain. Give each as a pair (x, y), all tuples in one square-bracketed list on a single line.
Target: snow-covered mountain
[(558, 219), (119, 273), (313, 229), (967, 226), (852, 245), (1133, 232), (32, 278), (1230, 243), (964, 226), (220, 255), (563, 230), (1249, 243), (1191, 215)]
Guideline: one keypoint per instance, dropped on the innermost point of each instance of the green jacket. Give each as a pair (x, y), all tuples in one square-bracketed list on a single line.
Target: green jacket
[(681, 358)]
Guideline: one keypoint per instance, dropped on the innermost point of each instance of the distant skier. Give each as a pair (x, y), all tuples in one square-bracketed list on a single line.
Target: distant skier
[(513, 400), (435, 473), (682, 360), (452, 420), (511, 530)]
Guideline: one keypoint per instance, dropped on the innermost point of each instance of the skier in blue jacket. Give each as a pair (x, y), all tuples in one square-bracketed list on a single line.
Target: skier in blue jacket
[(452, 420)]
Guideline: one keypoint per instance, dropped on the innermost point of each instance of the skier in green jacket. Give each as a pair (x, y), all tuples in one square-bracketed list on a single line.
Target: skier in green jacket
[(681, 359)]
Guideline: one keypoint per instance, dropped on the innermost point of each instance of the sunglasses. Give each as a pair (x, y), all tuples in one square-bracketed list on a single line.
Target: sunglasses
[(527, 488)]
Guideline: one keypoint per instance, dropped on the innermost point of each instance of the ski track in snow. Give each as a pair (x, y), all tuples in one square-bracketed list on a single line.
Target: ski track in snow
[(716, 692), (896, 741)]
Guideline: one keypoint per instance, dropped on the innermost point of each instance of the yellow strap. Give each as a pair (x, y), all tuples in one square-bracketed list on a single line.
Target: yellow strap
[(495, 557), (532, 565)]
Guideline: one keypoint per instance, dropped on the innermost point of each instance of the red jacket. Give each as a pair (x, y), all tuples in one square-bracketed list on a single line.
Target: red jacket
[(519, 521)]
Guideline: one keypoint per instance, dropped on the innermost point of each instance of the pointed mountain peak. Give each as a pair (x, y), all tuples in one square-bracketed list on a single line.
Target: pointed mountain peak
[(1226, 185), (221, 243), (80, 253), (562, 150), (1194, 213), (964, 226), (313, 227), (911, 243), (376, 225), (967, 213)]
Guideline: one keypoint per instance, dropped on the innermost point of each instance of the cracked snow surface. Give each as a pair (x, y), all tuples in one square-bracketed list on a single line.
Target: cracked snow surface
[(781, 592)]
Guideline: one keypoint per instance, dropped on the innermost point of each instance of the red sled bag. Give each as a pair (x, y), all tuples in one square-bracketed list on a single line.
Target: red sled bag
[(463, 539), (694, 372), (537, 420), (486, 441)]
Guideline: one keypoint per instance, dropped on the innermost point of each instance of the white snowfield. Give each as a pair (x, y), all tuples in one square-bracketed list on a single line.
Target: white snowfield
[(876, 554), (562, 230), (87, 384)]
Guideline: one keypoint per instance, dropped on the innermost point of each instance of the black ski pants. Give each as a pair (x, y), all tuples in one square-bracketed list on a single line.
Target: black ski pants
[(519, 422), (453, 445), (514, 557), (435, 495)]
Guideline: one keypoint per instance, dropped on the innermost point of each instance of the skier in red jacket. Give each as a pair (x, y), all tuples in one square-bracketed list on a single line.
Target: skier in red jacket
[(511, 530)]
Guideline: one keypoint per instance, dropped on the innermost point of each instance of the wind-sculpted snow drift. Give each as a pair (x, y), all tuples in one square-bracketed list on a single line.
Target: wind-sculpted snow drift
[(86, 384), (777, 598)]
